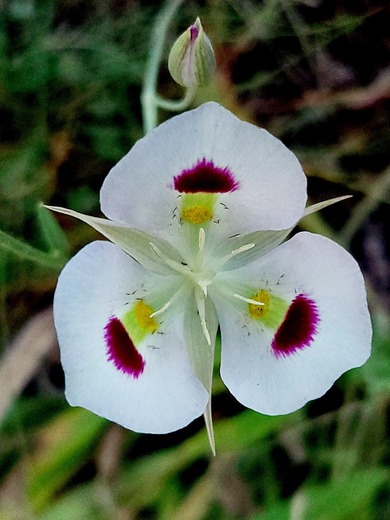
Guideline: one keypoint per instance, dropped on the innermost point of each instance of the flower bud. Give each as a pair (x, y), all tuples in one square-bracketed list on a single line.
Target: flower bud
[(191, 60)]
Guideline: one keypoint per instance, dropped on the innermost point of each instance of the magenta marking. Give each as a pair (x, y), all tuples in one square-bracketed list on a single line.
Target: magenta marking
[(194, 31), (205, 177), (121, 349), (298, 328)]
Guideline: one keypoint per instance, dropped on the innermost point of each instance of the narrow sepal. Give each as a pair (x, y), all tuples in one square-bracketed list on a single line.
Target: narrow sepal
[(208, 419), (261, 243), (132, 241), (321, 205), (201, 353)]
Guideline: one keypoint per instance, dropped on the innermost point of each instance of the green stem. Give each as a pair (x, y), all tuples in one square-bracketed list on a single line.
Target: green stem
[(176, 105), (149, 100), (26, 252)]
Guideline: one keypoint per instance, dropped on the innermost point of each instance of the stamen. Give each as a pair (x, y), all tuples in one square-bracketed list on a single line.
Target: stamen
[(160, 311), (172, 263), (203, 284), (236, 252), (247, 300), (242, 249), (201, 239), (201, 304)]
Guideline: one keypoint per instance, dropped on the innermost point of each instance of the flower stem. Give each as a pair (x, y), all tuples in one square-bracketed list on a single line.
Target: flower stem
[(149, 99), (176, 105)]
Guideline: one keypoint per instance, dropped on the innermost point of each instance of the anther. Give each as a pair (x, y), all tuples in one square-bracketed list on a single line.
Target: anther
[(172, 263), (201, 304), (236, 252), (160, 311), (201, 239), (247, 300), (203, 284)]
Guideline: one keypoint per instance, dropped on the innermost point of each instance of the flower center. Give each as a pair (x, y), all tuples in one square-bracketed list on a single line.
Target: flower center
[(200, 277)]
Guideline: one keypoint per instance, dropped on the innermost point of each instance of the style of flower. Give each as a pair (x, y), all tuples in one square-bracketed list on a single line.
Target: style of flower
[(198, 212)]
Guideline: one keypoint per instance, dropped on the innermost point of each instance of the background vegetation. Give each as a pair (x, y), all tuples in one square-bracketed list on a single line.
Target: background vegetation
[(313, 72)]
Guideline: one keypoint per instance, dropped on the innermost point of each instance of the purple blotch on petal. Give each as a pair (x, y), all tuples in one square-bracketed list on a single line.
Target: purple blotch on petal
[(298, 328), (205, 177), (121, 349)]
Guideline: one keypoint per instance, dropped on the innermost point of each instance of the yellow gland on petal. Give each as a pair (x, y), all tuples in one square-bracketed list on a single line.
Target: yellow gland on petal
[(138, 321), (142, 314), (259, 311), (197, 215), (271, 309), (198, 208)]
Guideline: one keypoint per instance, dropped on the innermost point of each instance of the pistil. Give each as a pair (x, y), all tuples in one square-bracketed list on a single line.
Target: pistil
[(195, 272)]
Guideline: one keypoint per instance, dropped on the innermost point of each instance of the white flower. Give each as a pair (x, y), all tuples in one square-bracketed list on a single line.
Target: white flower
[(197, 212)]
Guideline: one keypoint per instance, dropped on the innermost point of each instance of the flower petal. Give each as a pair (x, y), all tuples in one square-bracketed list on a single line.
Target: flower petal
[(140, 379), (252, 181), (313, 325)]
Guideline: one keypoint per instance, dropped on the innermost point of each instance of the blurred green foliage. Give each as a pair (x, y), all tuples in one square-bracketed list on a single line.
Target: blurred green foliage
[(313, 72)]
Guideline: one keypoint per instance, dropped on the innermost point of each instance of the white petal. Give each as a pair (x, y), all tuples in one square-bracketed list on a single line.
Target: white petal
[(330, 278), (96, 284), (271, 191)]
